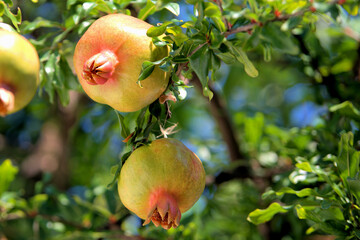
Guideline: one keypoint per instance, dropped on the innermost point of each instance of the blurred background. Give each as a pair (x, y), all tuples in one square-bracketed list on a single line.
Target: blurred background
[(65, 155)]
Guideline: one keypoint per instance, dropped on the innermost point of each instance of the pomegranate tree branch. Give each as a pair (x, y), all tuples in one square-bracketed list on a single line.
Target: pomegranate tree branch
[(250, 26), (218, 110)]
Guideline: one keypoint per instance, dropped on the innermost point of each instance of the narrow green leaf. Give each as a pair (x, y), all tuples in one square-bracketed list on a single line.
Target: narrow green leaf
[(146, 69), (302, 193), (174, 8), (348, 159), (263, 215), (283, 41), (156, 31), (124, 131), (199, 62), (27, 27), (354, 185), (212, 10), (208, 93), (7, 173), (306, 213), (155, 109), (9, 3), (346, 109), (2, 8), (243, 58), (118, 168), (49, 70), (227, 57), (69, 3), (180, 59), (147, 10), (15, 19)]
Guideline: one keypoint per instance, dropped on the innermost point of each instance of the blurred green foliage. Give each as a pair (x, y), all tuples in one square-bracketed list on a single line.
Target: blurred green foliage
[(288, 75)]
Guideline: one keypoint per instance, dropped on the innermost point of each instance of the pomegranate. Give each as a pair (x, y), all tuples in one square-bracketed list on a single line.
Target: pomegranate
[(108, 60), (19, 72), (160, 181)]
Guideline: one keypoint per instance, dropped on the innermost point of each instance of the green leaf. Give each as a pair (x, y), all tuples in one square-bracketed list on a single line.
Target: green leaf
[(199, 62), (174, 8), (118, 168), (156, 31), (254, 129), (302, 193), (227, 57), (208, 93), (49, 70), (69, 3), (305, 166), (147, 10), (212, 10), (146, 69), (306, 213), (180, 59), (7, 173), (243, 58), (348, 159), (263, 215), (177, 35), (2, 8), (9, 2), (124, 131), (346, 109), (27, 27), (280, 40), (15, 19), (155, 109), (354, 185), (37, 200), (219, 24), (69, 79)]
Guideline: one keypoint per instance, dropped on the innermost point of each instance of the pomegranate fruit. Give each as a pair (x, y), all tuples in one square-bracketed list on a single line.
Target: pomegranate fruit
[(160, 181), (108, 60), (19, 72)]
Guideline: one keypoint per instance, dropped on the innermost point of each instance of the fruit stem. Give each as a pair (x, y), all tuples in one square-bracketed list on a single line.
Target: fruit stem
[(7, 101), (100, 67)]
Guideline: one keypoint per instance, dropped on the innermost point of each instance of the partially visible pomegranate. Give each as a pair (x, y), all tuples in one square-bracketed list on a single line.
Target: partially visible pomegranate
[(19, 72), (108, 60), (160, 181)]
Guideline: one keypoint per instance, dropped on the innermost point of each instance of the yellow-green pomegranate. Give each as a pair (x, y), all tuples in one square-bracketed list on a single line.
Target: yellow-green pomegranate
[(108, 60), (19, 72), (160, 181)]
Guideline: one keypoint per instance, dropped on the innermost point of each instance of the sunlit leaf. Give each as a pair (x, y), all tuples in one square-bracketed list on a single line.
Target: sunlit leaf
[(263, 215), (7, 172)]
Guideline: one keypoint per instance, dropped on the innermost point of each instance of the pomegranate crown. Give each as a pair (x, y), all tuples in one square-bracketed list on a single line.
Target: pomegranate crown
[(164, 210), (7, 101), (100, 67)]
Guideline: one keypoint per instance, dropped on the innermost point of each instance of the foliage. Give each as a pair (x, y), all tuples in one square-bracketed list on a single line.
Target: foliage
[(288, 72)]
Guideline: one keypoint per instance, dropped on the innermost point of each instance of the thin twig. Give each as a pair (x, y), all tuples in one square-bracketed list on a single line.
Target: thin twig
[(227, 23), (250, 26)]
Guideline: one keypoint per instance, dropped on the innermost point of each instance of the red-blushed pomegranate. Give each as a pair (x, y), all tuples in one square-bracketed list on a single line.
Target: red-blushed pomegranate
[(108, 60), (19, 72), (160, 181)]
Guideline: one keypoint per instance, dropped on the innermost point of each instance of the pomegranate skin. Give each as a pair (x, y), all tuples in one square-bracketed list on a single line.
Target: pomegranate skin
[(19, 72), (118, 45), (160, 181)]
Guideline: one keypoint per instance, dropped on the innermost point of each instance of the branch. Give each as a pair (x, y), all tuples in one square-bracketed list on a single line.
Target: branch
[(250, 26), (218, 110)]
